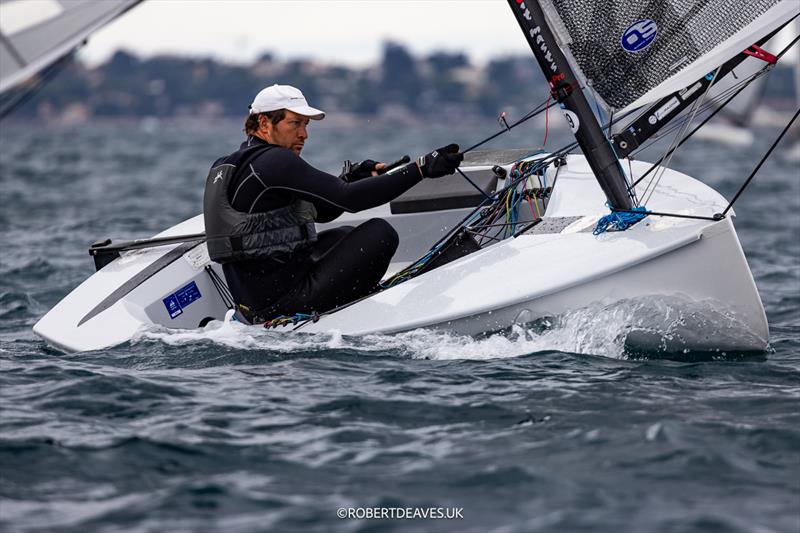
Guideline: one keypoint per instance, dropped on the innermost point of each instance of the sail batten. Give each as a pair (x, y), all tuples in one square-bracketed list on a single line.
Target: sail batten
[(634, 53), (36, 33)]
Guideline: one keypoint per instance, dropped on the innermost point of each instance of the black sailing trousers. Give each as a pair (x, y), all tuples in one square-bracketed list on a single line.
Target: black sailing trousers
[(346, 264)]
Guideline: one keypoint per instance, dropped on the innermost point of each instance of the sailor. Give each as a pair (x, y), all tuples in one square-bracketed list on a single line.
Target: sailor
[(261, 203)]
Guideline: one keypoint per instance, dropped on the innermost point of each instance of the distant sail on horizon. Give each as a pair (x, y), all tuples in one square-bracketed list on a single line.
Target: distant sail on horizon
[(34, 35)]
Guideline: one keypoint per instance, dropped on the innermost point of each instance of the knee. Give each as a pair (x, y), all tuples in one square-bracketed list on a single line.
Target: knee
[(381, 231)]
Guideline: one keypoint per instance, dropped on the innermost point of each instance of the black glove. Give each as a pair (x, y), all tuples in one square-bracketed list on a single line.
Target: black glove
[(440, 162), (357, 171)]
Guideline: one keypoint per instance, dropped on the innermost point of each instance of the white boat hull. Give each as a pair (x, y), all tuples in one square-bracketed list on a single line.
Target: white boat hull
[(697, 266)]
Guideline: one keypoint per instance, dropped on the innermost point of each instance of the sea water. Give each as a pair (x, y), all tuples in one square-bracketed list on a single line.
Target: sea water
[(558, 427)]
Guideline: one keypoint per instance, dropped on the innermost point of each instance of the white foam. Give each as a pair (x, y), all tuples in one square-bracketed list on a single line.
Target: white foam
[(652, 325)]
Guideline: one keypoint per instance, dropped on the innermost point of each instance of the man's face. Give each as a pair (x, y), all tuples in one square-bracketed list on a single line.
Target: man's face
[(290, 132)]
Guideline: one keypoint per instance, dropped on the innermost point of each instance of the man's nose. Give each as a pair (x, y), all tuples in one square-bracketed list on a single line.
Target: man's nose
[(302, 132)]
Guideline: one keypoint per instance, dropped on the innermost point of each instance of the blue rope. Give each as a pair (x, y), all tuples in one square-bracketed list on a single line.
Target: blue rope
[(620, 220)]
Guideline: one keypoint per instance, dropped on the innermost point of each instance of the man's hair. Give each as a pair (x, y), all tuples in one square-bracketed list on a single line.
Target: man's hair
[(251, 124)]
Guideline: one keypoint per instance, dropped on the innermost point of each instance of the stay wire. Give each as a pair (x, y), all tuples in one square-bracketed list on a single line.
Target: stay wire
[(758, 166), (741, 88), (716, 99), (679, 122), (534, 112), (648, 192), (689, 135), (720, 216)]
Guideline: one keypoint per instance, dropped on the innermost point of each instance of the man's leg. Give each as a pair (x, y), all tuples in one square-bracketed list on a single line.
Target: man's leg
[(327, 239), (345, 271)]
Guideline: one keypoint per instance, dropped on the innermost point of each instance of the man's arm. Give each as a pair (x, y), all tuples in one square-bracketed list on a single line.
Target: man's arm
[(285, 171), (326, 212)]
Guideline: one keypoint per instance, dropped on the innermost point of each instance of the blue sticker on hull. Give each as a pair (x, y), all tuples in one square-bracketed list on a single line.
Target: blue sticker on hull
[(172, 305), (177, 301), (639, 35), (188, 294)]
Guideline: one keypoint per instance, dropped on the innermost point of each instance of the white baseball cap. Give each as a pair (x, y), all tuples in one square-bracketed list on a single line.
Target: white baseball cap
[(284, 97)]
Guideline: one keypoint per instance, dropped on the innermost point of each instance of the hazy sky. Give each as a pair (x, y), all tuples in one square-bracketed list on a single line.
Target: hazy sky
[(348, 32)]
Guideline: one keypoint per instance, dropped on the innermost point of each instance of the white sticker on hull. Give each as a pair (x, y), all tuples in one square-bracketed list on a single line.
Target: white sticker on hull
[(198, 257)]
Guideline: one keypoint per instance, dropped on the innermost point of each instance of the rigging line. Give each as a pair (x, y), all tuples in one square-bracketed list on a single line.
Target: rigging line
[(527, 228), (484, 236), (686, 138), (221, 286), (474, 184), (536, 110), (530, 204), (675, 143), (673, 215), (553, 186), (222, 290), (630, 180), (763, 159), (475, 228), (475, 211), (546, 122), (677, 122), (565, 150), (744, 84)]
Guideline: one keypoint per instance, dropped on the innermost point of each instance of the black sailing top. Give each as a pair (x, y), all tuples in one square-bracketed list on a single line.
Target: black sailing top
[(276, 178)]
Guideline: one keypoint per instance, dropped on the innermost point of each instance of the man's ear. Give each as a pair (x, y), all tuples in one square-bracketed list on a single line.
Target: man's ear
[(263, 125)]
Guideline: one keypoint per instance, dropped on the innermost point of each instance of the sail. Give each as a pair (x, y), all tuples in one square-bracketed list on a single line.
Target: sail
[(633, 52), (36, 33)]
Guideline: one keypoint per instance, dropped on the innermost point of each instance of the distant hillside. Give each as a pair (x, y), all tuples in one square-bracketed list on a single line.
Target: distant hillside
[(439, 83), (168, 86)]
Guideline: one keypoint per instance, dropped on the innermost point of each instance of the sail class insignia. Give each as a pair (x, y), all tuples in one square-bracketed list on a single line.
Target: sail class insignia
[(639, 35)]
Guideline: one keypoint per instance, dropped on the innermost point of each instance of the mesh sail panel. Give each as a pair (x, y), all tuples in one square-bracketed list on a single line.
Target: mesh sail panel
[(623, 55)]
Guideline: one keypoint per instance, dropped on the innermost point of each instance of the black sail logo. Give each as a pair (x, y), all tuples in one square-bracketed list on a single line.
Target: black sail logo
[(536, 35)]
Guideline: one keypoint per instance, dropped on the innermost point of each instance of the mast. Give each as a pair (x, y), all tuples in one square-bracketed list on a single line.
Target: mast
[(566, 90)]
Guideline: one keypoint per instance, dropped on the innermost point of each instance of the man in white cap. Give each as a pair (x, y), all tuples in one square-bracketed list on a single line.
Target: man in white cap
[(261, 203)]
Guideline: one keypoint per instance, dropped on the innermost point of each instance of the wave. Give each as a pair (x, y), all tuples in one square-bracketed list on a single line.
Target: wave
[(624, 329)]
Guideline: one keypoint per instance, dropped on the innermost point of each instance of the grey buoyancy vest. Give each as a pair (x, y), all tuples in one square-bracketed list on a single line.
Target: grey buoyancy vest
[(234, 235)]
